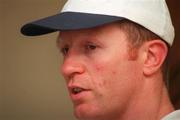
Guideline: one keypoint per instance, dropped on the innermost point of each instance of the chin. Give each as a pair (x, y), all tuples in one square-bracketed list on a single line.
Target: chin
[(86, 112)]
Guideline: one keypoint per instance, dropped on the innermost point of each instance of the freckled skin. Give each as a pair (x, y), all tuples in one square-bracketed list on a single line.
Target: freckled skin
[(106, 70)]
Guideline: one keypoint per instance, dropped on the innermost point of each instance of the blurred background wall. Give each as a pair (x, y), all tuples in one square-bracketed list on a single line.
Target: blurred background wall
[(31, 87)]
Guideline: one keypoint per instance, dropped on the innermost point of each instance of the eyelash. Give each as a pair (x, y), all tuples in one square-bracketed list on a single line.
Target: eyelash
[(65, 50)]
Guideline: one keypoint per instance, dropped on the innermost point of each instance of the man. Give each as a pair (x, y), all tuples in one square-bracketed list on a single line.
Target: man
[(114, 57)]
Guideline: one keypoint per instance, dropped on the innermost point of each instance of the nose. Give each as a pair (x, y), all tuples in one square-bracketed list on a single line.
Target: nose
[(72, 66)]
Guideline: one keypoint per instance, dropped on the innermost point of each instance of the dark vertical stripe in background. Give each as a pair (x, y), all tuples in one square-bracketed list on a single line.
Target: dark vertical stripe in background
[(174, 84)]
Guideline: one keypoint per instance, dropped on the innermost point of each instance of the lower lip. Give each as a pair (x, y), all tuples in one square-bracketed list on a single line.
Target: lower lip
[(80, 96)]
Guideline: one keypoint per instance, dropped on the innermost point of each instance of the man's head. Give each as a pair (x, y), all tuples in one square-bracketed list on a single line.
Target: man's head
[(93, 62), (113, 53), (105, 71)]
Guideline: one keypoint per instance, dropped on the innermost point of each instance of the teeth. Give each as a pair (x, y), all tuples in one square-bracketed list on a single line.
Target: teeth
[(76, 90)]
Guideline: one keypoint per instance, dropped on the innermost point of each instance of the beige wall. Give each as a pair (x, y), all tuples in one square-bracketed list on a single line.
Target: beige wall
[(1, 56), (31, 87)]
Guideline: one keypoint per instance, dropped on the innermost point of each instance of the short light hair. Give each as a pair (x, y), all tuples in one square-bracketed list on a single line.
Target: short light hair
[(137, 35)]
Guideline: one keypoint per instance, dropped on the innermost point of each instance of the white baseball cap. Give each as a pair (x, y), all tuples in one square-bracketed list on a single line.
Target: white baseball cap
[(81, 14)]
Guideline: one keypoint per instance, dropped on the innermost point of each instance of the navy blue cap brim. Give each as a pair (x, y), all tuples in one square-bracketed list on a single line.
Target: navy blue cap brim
[(66, 21)]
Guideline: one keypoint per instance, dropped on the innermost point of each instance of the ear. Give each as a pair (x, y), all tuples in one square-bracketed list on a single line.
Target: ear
[(155, 54)]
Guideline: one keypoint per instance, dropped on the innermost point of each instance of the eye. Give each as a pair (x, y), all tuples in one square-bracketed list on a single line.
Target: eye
[(91, 47), (65, 50)]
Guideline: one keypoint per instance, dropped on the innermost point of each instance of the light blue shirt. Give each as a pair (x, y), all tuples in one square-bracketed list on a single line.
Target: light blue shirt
[(172, 116)]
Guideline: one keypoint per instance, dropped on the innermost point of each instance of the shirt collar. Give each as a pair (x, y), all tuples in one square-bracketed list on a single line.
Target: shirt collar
[(172, 116)]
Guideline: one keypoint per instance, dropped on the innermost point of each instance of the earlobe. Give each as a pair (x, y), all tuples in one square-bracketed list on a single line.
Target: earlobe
[(156, 52)]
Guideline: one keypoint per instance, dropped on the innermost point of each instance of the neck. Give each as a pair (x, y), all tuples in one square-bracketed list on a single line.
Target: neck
[(151, 102)]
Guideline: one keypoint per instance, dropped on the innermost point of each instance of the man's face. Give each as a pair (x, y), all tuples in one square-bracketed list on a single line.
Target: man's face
[(101, 79)]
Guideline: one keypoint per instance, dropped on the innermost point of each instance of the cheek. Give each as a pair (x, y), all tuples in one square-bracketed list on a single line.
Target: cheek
[(102, 68), (104, 75), (112, 76), (111, 82), (99, 67), (100, 81)]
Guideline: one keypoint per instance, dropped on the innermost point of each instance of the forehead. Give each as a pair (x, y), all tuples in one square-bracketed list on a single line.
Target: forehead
[(96, 32)]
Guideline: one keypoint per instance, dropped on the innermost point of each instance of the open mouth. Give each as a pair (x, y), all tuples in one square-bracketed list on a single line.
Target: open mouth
[(78, 93), (77, 90)]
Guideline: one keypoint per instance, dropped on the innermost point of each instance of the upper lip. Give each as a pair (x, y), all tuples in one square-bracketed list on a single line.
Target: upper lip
[(75, 86)]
